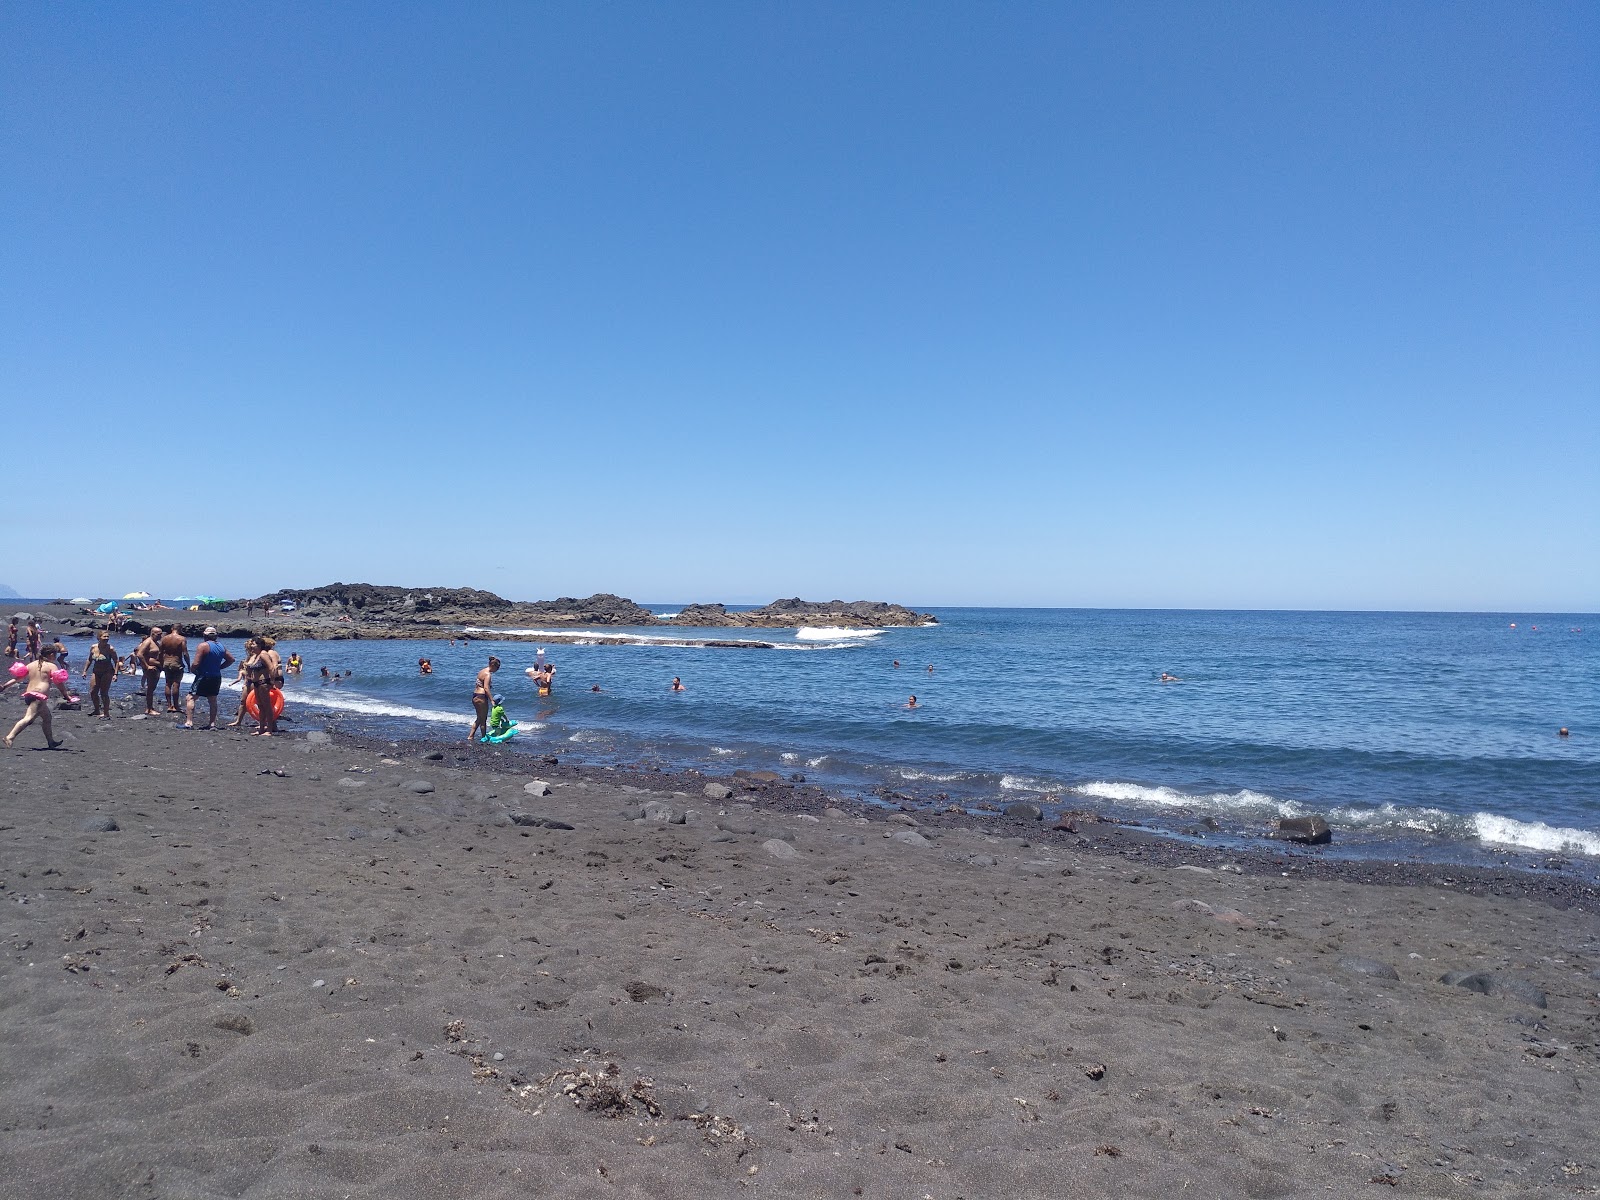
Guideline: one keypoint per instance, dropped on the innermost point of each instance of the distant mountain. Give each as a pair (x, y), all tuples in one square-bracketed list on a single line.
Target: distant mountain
[(7, 593)]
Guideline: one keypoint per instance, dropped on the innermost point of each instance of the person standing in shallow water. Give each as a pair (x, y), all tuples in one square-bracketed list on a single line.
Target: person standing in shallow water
[(42, 673), (482, 699)]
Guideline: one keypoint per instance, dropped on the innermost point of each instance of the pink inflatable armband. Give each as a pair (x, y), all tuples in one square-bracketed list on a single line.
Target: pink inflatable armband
[(59, 677), (19, 670)]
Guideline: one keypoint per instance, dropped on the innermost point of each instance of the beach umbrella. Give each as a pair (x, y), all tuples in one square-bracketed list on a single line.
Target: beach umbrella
[(110, 606), (137, 596), (81, 600)]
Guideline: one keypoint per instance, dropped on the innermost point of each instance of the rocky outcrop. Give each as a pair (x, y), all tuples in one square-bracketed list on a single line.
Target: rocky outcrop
[(600, 609), (786, 614), (338, 611)]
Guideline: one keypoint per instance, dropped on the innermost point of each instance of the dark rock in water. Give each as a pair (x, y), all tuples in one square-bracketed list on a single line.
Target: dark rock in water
[(1369, 966), (1488, 983), (1025, 810), (1308, 831), (797, 778), (100, 825)]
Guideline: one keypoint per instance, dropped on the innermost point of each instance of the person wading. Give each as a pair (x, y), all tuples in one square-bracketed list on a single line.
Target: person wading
[(482, 699)]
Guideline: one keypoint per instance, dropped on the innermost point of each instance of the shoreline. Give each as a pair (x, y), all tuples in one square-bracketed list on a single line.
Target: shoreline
[(347, 968), (1093, 834)]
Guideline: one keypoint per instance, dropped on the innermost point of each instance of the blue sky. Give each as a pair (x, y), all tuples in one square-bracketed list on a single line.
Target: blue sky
[(1187, 305)]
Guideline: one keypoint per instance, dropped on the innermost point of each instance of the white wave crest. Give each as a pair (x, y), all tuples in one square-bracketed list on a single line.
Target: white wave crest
[(346, 701), (722, 750), (1243, 800), (1396, 816), (1026, 783), (1534, 835), (833, 633), (594, 637), (665, 616), (912, 776), (817, 761)]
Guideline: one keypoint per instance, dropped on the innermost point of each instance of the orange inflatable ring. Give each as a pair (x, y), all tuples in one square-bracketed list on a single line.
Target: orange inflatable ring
[(255, 709)]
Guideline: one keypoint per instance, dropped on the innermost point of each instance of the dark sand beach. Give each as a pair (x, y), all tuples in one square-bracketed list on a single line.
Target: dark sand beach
[(312, 967)]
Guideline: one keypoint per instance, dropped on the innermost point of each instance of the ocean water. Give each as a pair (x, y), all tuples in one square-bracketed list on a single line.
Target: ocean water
[(1423, 735)]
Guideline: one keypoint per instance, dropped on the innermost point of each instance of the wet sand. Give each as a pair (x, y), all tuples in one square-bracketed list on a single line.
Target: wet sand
[(313, 967)]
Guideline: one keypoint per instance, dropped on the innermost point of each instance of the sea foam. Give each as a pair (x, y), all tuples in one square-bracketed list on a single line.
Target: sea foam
[(1534, 835), (833, 633), (346, 701), (1242, 801)]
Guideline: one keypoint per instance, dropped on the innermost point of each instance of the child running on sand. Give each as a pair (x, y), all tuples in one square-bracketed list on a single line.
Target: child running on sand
[(42, 672)]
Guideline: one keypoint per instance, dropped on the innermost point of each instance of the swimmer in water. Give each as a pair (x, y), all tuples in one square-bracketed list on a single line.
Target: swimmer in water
[(896, 664), (677, 684), (930, 668), (424, 666), (1562, 732), (912, 703), (1165, 678), (595, 688)]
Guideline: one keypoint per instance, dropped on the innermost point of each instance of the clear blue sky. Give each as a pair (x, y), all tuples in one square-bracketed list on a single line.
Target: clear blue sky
[(1190, 304)]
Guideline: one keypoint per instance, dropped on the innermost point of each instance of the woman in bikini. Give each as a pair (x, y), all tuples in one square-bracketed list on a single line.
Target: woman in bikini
[(102, 664), (258, 672), (42, 672), (482, 698)]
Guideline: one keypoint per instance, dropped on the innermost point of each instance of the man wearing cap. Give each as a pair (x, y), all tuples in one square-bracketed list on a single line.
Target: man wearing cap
[(210, 660)]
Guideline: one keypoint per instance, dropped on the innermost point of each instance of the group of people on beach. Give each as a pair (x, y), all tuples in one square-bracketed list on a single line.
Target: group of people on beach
[(162, 657), (165, 655)]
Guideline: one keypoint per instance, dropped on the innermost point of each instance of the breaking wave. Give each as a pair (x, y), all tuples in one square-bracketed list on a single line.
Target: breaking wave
[(1534, 835), (833, 633)]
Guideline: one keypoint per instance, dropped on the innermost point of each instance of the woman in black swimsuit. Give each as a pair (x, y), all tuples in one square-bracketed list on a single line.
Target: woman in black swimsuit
[(103, 664)]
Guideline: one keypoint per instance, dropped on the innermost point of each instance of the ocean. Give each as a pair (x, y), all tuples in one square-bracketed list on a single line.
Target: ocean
[(1427, 736)]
